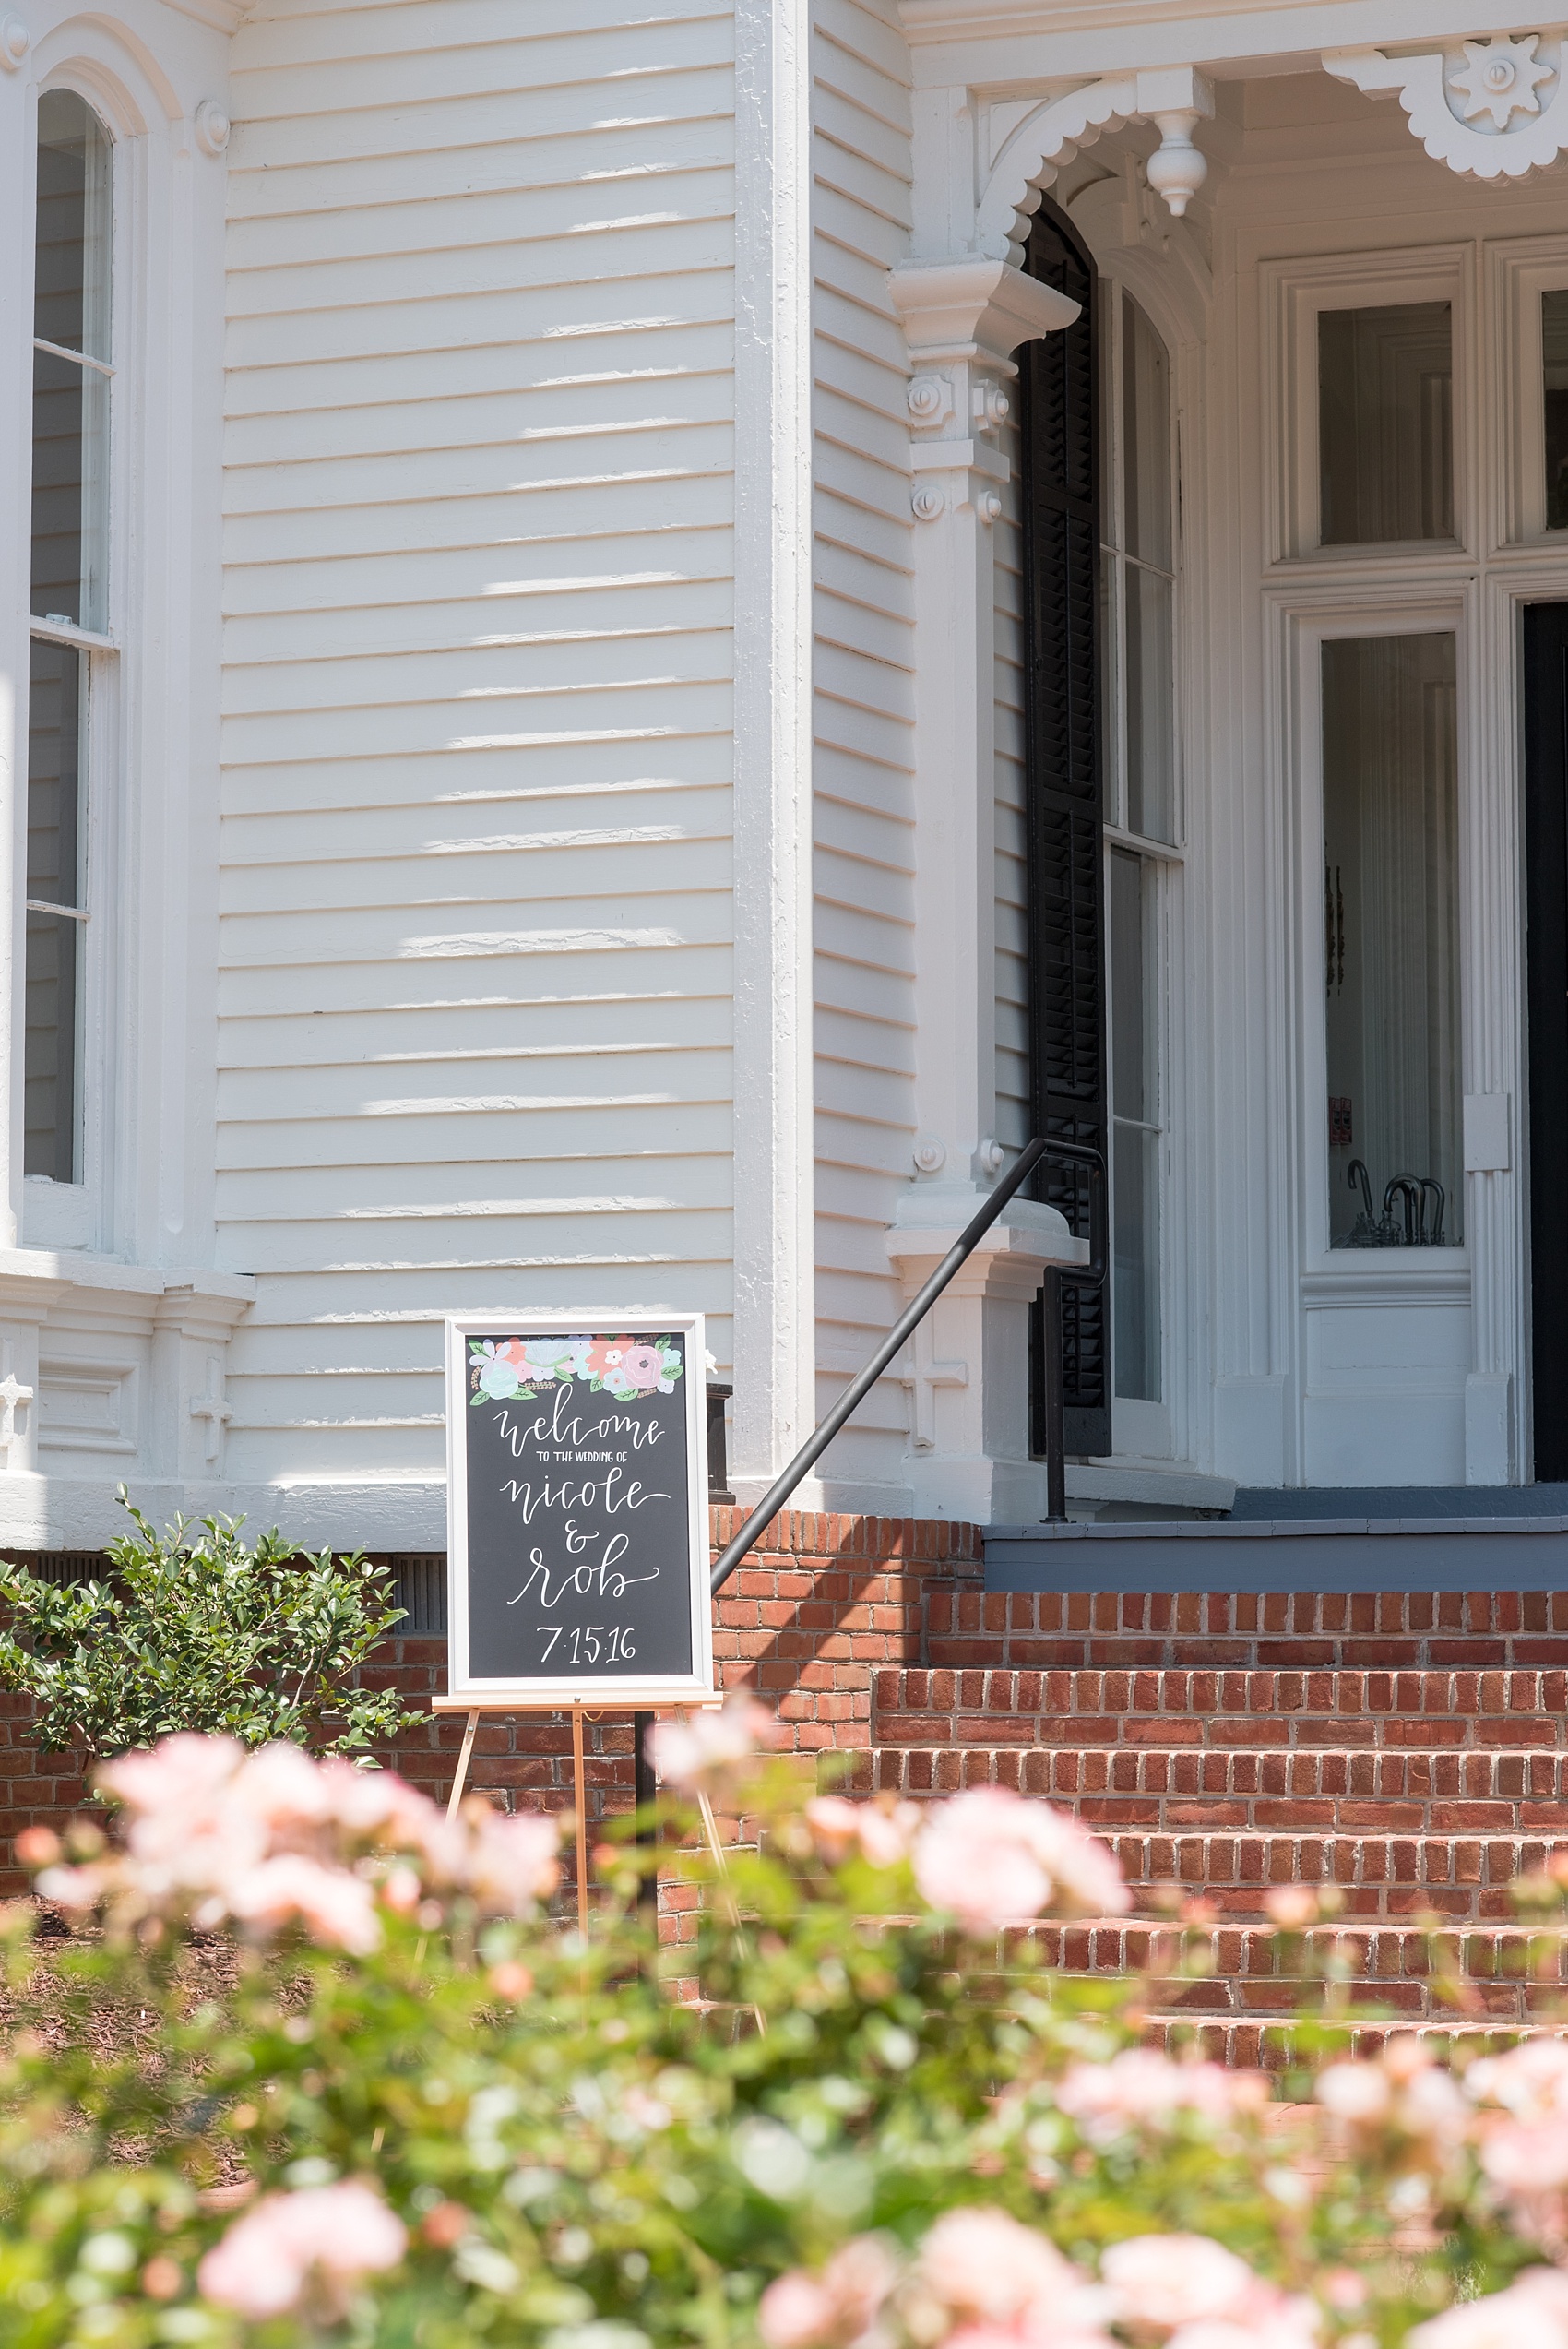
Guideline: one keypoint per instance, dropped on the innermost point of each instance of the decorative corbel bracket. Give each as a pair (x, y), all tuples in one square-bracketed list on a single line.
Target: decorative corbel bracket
[(1492, 108), (963, 321), (1041, 141)]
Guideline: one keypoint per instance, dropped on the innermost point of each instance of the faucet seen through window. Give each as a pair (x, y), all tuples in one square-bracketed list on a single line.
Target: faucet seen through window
[(72, 382)]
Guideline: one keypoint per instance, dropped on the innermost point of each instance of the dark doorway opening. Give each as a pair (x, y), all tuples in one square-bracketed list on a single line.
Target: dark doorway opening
[(1546, 915)]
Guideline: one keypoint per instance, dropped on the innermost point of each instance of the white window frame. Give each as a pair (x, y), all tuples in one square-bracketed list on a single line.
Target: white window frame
[(78, 1215), (1140, 1428), (1520, 269), (1294, 293), (1367, 610)]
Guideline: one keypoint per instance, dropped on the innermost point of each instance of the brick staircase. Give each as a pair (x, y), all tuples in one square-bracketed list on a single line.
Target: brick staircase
[(1408, 1750)]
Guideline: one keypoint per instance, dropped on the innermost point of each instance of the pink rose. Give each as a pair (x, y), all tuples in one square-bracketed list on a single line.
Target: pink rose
[(643, 1366), (336, 1909), (1176, 2279), (993, 1859), (706, 1750), (982, 2264), (1532, 2314), (308, 2247), (840, 2307)]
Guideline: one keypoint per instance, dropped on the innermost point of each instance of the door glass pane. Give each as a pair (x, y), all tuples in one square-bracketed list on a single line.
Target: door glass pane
[(70, 408), (1146, 443), (54, 940), (1554, 358), (1390, 930), (1151, 705), (1134, 1108), (1385, 380)]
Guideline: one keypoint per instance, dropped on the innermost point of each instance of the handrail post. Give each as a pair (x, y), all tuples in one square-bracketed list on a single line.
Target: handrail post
[(1023, 1166)]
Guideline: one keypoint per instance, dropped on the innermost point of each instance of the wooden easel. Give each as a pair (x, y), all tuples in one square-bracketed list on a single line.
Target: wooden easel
[(579, 1791)]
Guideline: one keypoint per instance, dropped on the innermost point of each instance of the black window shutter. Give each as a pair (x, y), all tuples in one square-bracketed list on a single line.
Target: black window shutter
[(1058, 430)]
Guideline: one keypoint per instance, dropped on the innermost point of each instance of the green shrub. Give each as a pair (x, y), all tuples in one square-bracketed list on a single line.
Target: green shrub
[(193, 1630)]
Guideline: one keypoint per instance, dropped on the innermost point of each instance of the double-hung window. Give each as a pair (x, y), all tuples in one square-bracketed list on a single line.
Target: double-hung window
[(1139, 732), (70, 619)]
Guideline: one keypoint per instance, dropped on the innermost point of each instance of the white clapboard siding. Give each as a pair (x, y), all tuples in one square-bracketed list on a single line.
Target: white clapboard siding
[(864, 710), (475, 920), (1012, 936)]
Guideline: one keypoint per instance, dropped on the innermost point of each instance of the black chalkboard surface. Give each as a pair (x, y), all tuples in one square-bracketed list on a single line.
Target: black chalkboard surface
[(577, 1550)]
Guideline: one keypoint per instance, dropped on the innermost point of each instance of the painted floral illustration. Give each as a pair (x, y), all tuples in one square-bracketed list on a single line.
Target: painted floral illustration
[(502, 1368)]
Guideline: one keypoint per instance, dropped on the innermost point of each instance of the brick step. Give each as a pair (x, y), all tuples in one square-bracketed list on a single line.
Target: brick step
[(1484, 1790), (1377, 1874), (1307, 1630), (1480, 1975), (1429, 1707)]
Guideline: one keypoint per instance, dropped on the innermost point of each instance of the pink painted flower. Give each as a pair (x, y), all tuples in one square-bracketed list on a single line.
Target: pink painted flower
[(337, 1908), (644, 1366), (705, 1751), (993, 1859), (605, 1355), (1173, 2280), (305, 2250)]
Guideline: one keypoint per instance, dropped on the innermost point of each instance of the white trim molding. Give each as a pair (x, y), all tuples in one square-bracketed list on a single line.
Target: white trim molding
[(1491, 108), (775, 1300), (1026, 142)]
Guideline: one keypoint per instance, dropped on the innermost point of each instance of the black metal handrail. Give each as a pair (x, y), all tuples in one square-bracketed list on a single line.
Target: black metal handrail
[(1023, 1166)]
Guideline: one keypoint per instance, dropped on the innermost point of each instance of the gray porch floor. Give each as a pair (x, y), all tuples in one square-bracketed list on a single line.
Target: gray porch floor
[(1392, 1538)]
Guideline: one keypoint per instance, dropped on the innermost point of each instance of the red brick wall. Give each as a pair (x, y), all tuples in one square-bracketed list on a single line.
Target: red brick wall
[(806, 1621)]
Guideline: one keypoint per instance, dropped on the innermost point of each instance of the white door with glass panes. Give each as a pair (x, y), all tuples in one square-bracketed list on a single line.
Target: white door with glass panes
[(1380, 518), (1138, 563)]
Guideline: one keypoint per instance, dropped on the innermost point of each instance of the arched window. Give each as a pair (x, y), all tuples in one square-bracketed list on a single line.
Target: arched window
[(70, 617)]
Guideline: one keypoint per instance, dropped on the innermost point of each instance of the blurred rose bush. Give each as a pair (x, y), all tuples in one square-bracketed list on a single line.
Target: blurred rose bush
[(316, 2063)]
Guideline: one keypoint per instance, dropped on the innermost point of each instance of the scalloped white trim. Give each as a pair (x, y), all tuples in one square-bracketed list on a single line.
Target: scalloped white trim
[(1529, 143)]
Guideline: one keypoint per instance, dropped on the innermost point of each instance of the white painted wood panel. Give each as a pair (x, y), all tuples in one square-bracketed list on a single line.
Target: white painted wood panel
[(475, 911), (864, 691)]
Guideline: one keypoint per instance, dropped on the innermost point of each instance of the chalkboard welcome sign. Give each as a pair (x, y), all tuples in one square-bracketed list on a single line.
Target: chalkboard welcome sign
[(577, 1458)]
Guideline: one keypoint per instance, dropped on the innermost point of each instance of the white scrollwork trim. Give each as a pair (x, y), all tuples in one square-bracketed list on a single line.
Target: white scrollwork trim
[(1488, 108), (1046, 138)]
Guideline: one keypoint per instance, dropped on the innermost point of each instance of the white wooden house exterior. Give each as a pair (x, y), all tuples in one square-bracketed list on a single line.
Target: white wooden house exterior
[(550, 706)]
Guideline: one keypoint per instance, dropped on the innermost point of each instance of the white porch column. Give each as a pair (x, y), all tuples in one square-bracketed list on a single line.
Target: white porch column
[(968, 1368), (963, 320), (968, 1363)]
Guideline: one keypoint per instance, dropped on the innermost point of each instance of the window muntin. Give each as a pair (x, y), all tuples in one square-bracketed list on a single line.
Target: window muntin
[(1391, 931), (70, 598), (1386, 423)]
